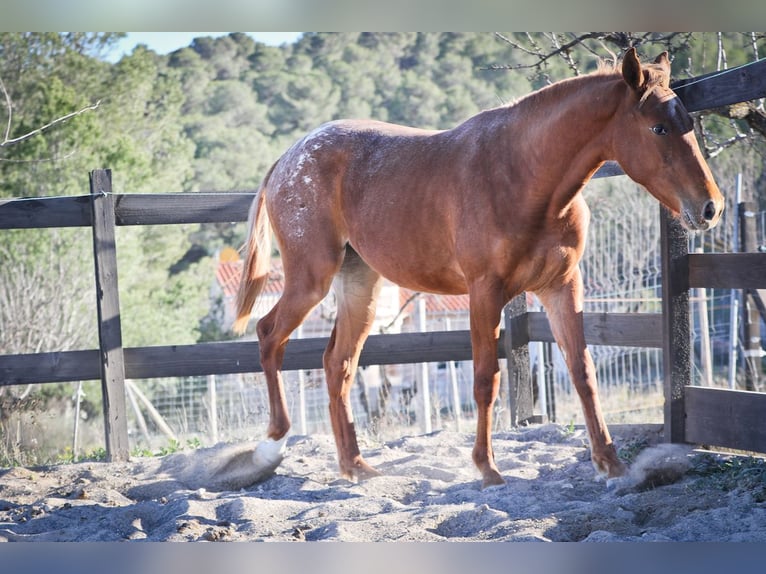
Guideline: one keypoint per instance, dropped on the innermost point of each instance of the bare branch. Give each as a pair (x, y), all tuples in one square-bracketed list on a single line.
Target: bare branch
[(712, 146), (560, 49), (518, 46), (754, 44), (385, 328), (712, 152), (7, 140), (40, 159), (9, 105), (566, 54), (722, 63), (620, 40)]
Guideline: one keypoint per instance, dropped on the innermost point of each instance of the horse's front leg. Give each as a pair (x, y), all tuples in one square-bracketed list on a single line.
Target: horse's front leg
[(564, 304), (486, 303)]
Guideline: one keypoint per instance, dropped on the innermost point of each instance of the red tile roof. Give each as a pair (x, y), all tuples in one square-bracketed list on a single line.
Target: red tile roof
[(229, 273), (435, 303)]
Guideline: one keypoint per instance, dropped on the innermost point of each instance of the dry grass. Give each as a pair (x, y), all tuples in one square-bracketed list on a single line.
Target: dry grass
[(619, 405)]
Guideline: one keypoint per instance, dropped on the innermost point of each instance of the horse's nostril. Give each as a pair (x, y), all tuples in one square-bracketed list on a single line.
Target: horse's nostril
[(709, 211)]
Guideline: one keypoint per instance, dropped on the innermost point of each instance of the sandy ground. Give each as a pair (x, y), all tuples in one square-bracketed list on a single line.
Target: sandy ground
[(430, 491)]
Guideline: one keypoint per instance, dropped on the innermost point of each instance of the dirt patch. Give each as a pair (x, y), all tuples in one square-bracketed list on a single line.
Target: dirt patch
[(430, 491)]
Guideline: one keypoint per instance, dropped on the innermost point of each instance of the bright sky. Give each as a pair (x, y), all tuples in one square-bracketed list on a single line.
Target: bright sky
[(166, 42)]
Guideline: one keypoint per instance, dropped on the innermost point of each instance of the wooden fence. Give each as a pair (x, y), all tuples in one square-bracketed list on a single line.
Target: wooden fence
[(692, 414)]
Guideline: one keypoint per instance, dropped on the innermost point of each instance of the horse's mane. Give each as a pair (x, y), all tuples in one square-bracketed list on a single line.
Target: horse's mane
[(654, 77), (607, 65), (605, 69)]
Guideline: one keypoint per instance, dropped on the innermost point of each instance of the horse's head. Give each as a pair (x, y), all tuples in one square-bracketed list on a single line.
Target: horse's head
[(656, 146)]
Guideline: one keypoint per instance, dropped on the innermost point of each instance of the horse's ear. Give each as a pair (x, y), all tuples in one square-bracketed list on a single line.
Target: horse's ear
[(631, 69), (663, 61)]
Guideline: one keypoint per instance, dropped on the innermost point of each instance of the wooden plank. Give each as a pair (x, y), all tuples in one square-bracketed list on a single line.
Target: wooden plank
[(727, 270), (174, 208), (108, 309), (618, 329), (44, 212), (193, 360), (130, 209), (244, 356), (54, 367), (631, 329), (232, 357), (726, 418), (430, 347), (724, 88), (676, 334)]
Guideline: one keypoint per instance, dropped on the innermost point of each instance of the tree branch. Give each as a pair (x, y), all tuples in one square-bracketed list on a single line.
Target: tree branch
[(9, 105), (541, 56), (621, 40), (7, 140)]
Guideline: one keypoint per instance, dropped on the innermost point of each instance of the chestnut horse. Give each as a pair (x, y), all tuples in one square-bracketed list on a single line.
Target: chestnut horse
[(491, 208)]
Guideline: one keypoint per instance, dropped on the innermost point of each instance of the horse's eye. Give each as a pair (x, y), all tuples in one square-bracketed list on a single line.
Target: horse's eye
[(660, 130)]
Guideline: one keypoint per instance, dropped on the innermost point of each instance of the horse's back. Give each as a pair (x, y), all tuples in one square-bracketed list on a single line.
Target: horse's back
[(381, 188), (345, 164)]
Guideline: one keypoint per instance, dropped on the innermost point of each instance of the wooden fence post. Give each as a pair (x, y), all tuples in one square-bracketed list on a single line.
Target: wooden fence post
[(516, 343), (676, 342), (108, 307)]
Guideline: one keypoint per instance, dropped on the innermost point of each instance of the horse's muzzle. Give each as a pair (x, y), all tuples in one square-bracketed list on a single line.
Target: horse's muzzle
[(702, 218)]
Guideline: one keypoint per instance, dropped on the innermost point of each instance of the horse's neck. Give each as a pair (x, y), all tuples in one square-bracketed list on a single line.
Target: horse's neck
[(568, 127), (571, 114)]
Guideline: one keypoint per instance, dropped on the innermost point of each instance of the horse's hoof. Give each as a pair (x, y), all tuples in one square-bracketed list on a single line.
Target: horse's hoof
[(492, 478), (359, 470), (616, 470), (609, 466), (368, 472)]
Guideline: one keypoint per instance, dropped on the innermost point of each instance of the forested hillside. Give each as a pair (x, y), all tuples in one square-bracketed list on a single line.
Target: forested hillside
[(214, 116)]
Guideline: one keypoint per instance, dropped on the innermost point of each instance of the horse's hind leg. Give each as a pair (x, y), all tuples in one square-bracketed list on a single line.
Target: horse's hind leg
[(357, 287), (306, 283)]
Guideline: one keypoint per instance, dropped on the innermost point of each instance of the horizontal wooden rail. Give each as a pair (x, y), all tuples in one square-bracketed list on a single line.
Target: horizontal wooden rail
[(617, 329), (52, 367), (44, 212), (130, 209), (723, 88), (622, 329), (230, 357), (171, 208), (725, 418), (727, 270), (244, 356)]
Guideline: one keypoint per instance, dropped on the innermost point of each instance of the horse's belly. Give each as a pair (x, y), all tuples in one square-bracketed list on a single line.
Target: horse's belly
[(415, 270)]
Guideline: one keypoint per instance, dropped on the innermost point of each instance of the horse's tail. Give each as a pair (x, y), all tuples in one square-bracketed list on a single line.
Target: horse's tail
[(255, 271)]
